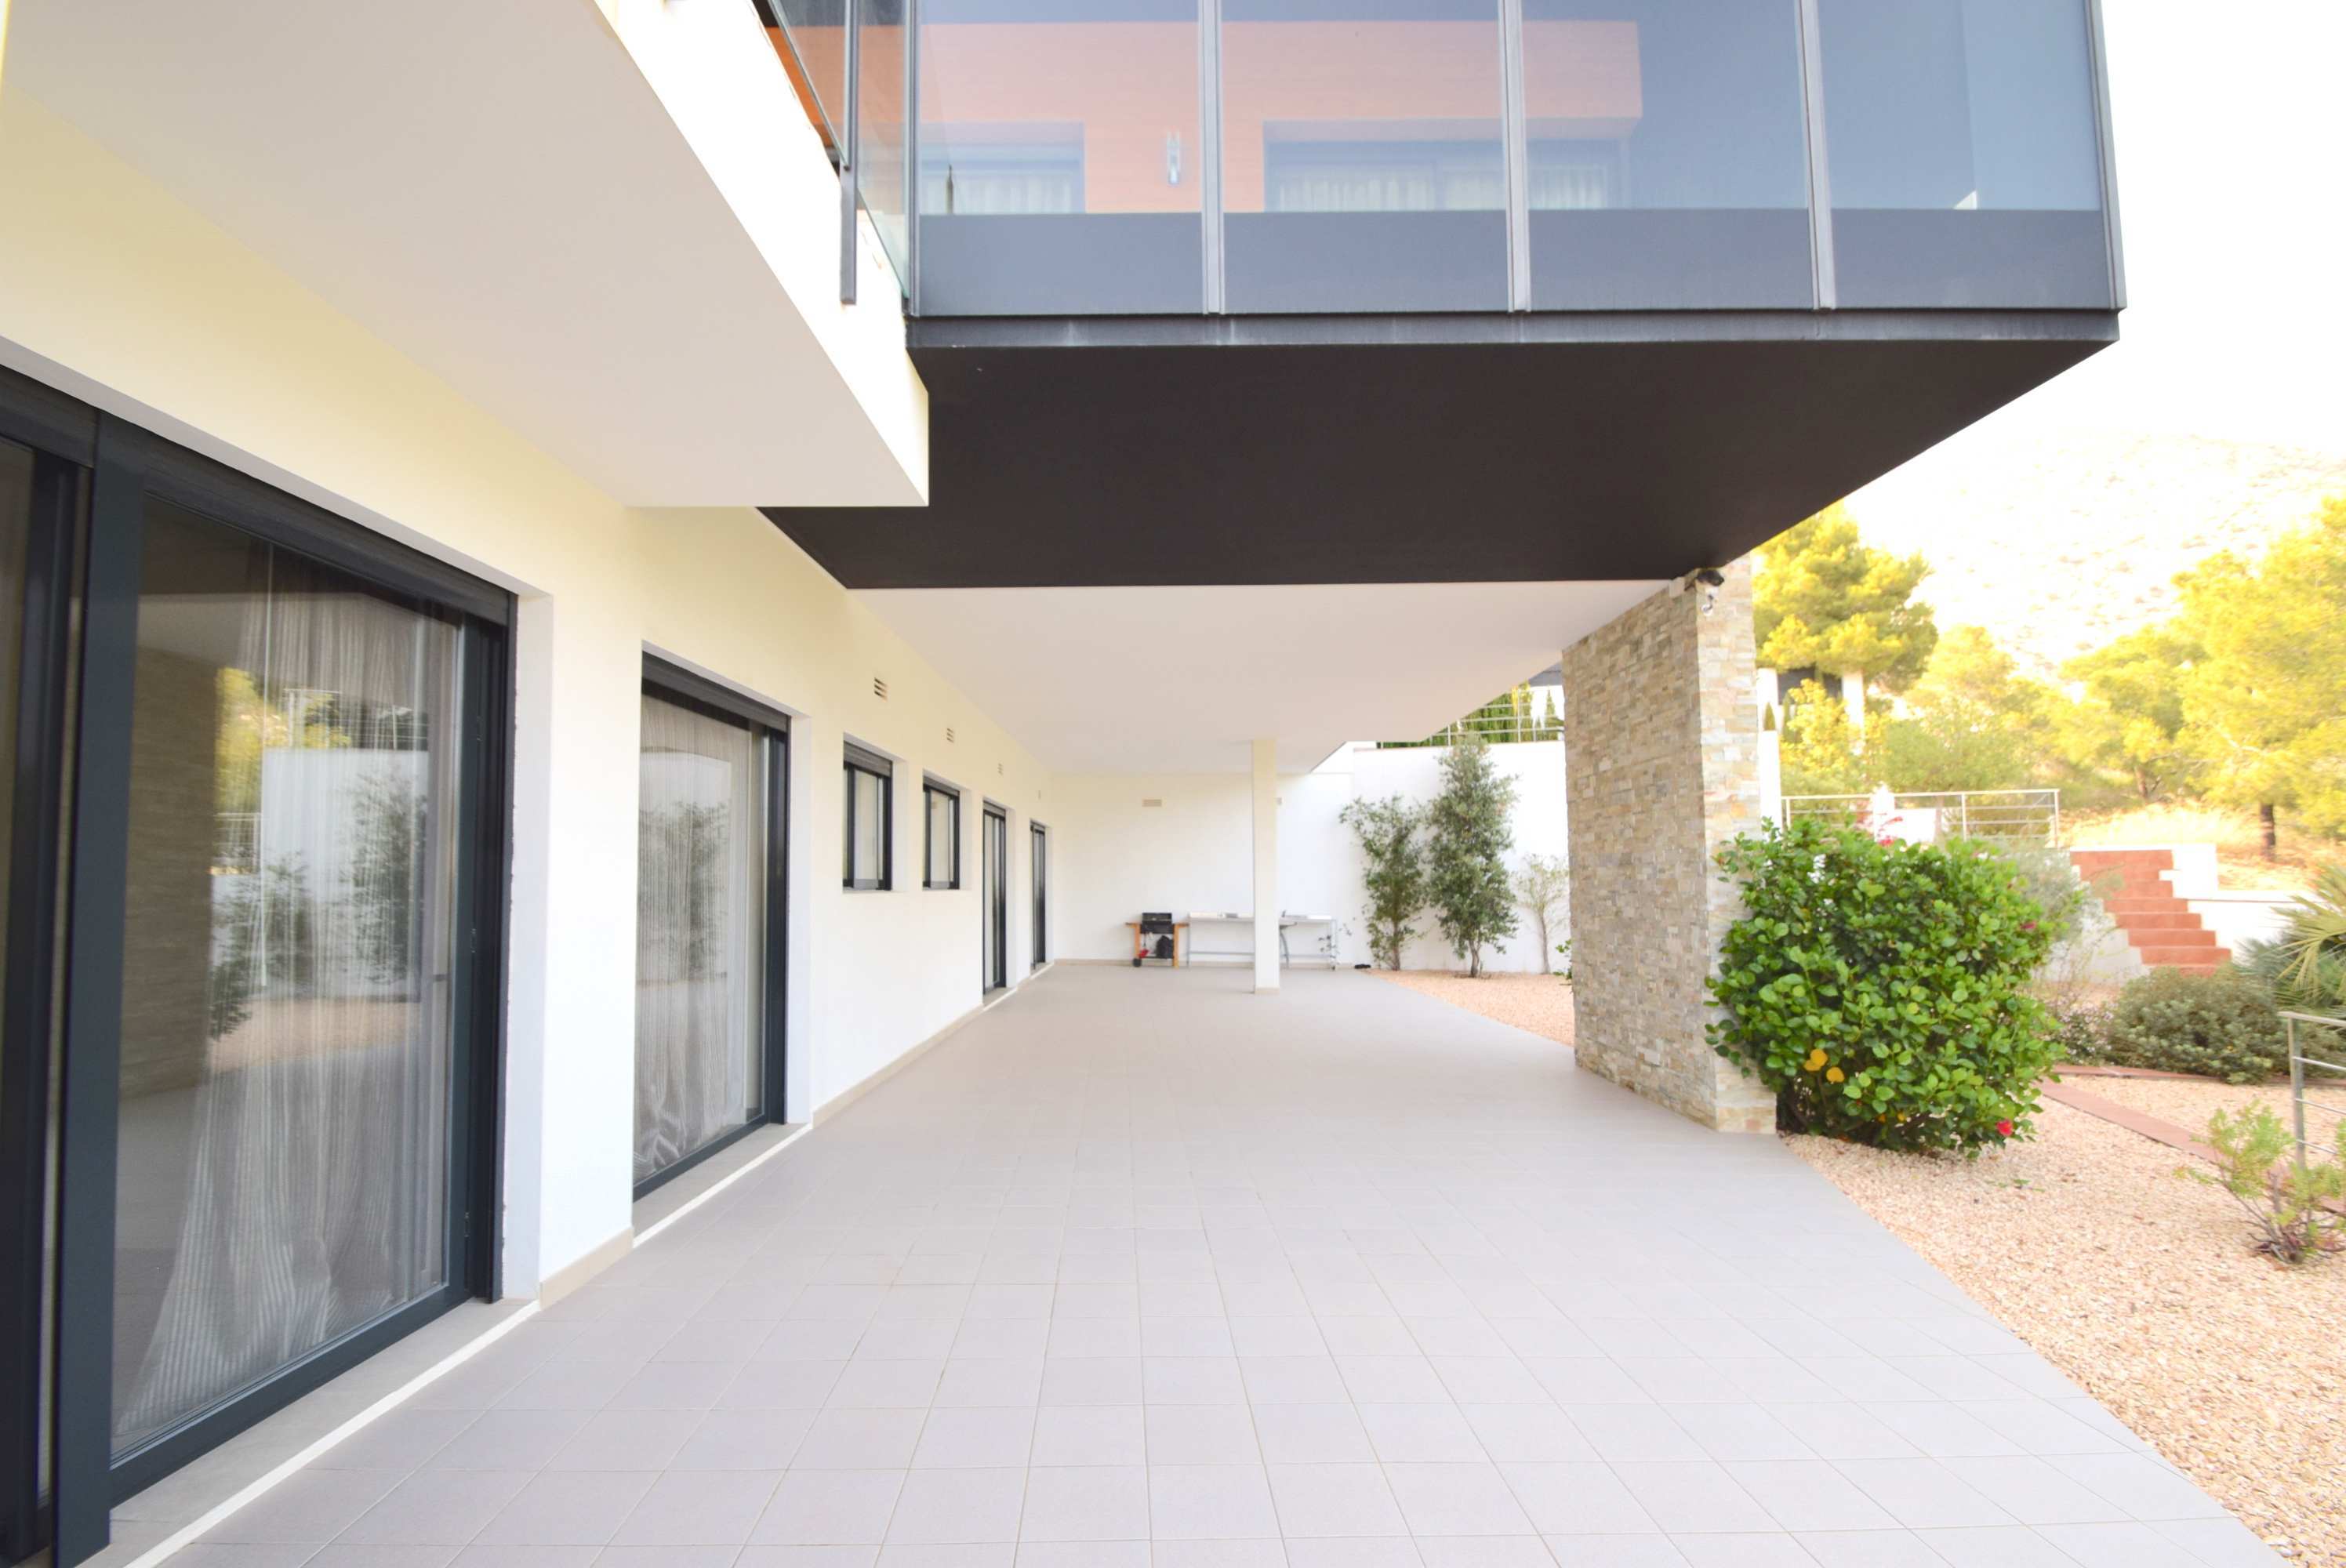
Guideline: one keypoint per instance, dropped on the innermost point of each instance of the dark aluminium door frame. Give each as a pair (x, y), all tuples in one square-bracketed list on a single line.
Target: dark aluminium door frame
[(1038, 877), (995, 856), (125, 465), (32, 417), (673, 683)]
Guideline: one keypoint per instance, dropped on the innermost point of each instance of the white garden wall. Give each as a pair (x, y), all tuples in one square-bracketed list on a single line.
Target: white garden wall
[(1191, 851)]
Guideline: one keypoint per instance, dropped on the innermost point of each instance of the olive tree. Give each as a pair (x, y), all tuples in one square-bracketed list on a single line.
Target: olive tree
[(1467, 840)]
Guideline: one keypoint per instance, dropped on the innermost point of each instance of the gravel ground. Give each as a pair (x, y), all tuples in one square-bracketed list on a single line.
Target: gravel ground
[(2188, 1102), (2141, 1286), (1541, 1003)]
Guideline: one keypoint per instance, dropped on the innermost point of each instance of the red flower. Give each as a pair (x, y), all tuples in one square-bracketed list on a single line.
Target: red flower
[(2028, 925), (2003, 1129), (1886, 842)]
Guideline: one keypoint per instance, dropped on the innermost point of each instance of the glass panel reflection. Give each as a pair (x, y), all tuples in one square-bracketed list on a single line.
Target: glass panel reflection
[(700, 924), (1668, 158), (1964, 153), (286, 1030), (1059, 157), (880, 77), (1362, 164), (812, 44)]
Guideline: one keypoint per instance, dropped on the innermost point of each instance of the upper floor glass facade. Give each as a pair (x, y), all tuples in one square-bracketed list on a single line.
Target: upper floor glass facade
[(1057, 157)]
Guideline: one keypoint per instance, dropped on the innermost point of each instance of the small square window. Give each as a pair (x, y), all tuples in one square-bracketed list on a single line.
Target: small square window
[(869, 805), (941, 862)]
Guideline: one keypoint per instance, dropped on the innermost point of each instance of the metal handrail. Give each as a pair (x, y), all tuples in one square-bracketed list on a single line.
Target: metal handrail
[(1965, 814), (2298, 1062)]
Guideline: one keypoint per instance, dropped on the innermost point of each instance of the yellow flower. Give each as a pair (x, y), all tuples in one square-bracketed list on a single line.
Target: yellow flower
[(1834, 1074), (1816, 1059)]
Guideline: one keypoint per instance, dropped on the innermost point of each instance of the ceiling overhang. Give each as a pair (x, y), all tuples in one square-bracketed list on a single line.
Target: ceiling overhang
[(1414, 449)]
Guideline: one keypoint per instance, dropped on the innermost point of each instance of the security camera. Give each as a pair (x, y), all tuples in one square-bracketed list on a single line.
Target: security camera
[(1710, 578)]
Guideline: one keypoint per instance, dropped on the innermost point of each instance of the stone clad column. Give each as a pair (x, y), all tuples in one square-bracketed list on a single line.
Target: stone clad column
[(1661, 732)]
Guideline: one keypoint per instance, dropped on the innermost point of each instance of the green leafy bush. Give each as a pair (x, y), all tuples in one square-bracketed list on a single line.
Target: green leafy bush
[(2305, 970), (1879, 988), (2220, 1026)]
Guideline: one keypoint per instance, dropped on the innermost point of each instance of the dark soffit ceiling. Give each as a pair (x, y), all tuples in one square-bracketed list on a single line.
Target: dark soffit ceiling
[(1414, 449)]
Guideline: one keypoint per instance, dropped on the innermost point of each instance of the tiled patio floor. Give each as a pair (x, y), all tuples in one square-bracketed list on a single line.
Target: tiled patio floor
[(1141, 1269)]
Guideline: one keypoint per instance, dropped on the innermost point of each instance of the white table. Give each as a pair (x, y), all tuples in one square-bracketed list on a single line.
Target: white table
[(1200, 919)]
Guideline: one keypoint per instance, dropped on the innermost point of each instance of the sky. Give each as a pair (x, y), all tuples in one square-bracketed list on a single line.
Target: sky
[(2230, 121)]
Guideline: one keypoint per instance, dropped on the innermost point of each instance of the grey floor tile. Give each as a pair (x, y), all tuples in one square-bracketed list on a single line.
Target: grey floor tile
[(1922, 1493), (1484, 1552), (1809, 1494), (1634, 1432), (2033, 1492), (744, 1439), (402, 1439), (2219, 1543), (312, 1505), (627, 1439), (2118, 1546), (1457, 1500), (572, 1508), (1693, 1496), (829, 1508), (1615, 1551), (1218, 1502), (861, 1439), (1869, 1548), (2143, 1488), (1334, 1500), (436, 1508), (1738, 1431), (1743, 1550), (1085, 1502), (699, 1508), (958, 1507)]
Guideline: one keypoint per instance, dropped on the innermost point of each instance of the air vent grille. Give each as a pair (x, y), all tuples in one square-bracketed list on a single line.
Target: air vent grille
[(880, 688), (949, 735), (1149, 802)]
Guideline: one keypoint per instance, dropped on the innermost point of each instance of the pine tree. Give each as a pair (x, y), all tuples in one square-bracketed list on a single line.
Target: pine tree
[(1467, 840), (1827, 601)]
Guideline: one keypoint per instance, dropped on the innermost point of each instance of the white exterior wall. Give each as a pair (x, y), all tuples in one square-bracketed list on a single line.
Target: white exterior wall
[(140, 305), (1192, 851)]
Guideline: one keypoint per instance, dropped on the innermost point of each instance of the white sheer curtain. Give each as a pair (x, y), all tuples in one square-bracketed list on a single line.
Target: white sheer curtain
[(284, 1147), (700, 861)]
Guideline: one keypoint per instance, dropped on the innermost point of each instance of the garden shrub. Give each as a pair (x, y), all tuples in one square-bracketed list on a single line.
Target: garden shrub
[(1880, 988), (2291, 1197), (2219, 1026)]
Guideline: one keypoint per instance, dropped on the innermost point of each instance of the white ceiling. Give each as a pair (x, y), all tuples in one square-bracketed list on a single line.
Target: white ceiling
[(1181, 679), (496, 190)]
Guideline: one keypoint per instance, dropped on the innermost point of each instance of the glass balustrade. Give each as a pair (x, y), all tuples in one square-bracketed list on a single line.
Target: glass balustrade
[(1964, 153), (1373, 156), (1061, 170)]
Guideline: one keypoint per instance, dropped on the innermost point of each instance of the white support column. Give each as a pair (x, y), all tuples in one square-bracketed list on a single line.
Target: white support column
[(1266, 865)]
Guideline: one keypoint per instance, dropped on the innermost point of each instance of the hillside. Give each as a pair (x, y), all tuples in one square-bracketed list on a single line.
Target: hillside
[(2058, 542)]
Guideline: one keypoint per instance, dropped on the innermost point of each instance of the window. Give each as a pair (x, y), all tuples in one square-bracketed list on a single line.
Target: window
[(869, 824), (710, 921), (942, 805)]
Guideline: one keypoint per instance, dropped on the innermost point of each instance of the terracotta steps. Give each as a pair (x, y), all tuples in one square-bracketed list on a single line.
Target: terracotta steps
[(2158, 925)]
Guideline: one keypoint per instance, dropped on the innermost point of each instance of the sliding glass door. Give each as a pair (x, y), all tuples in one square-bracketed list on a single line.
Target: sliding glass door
[(997, 899), (708, 922), (259, 763), (287, 1053)]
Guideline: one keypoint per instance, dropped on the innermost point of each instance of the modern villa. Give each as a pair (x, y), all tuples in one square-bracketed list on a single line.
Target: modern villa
[(582, 582)]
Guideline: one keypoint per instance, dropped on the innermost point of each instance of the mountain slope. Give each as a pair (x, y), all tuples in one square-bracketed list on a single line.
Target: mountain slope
[(2057, 543)]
